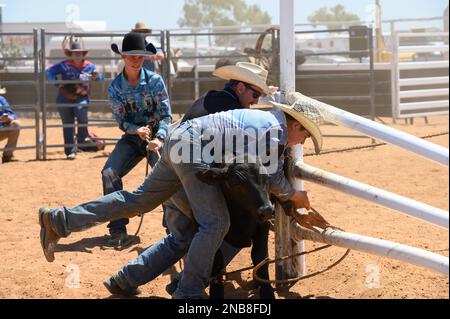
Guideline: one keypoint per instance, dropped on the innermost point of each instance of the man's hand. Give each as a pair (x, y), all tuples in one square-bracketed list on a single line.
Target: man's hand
[(5, 119), (154, 145), (94, 75), (300, 200), (144, 133)]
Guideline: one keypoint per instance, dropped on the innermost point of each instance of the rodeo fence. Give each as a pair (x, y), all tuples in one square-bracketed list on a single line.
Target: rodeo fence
[(360, 43), (420, 86), (375, 246), (32, 84), (186, 81), (416, 209), (201, 63), (109, 68)]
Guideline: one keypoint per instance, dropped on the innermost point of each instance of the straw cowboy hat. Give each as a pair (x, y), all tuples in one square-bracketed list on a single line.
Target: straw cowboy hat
[(141, 27), (246, 72), (75, 47), (306, 113), (134, 44)]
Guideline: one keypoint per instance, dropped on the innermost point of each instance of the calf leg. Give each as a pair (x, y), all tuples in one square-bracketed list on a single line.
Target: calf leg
[(216, 287), (259, 253)]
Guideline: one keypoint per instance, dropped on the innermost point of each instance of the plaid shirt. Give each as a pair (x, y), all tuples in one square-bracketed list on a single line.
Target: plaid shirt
[(262, 123), (146, 103)]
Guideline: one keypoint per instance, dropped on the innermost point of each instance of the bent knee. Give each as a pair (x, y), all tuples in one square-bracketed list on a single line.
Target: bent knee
[(15, 123), (111, 181)]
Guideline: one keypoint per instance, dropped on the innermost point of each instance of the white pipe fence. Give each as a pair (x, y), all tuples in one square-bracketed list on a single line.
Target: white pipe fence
[(379, 131), (370, 193), (427, 83), (412, 255), (416, 209)]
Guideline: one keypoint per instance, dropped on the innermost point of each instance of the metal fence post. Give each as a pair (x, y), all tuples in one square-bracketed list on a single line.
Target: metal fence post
[(43, 96), (372, 76), (164, 61), (37, 107), (169, 60)]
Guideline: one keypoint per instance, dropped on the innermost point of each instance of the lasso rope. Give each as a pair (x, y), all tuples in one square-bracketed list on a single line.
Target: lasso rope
[(311, 220)]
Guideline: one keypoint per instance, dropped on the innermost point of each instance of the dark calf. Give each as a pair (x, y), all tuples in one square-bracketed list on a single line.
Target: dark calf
[(245, 189)]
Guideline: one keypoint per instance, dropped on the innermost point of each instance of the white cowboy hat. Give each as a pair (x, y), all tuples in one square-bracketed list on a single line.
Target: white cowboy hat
[(141, 27), (246, 72), (2, 90), (306, 113)]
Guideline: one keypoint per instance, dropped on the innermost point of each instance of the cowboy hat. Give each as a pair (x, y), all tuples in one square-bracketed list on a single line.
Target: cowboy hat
[(305, 112), (246, 72), (134, 44), (141, 27), (2, 90), (75, 47)]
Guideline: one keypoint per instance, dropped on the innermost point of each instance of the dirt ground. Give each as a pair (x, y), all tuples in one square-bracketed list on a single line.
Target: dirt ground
[(28, 184)]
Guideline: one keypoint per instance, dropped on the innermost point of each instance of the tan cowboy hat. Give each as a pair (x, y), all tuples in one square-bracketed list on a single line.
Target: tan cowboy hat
[(75, 47), (141, 27), (306, 114), (2, 90), (246, 72)]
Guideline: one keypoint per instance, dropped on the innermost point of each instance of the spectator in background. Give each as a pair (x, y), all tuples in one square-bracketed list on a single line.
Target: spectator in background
[(74, 68), (9, 127), (152, 62)]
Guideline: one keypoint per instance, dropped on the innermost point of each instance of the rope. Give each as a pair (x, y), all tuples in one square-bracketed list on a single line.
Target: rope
[(311, 220), (368, 146), (296, 279), (146, 174)]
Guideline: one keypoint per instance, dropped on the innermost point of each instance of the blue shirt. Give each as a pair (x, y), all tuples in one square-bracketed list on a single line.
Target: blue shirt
[(268, 129), (138, 106), (68, 71), (5, 109)]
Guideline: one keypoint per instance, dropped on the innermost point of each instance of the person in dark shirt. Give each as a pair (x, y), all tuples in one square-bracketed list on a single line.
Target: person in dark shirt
[(236, 94)]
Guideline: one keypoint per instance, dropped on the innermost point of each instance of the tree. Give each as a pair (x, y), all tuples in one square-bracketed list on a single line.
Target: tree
[(333, 14), (211, 13), (10, 50)]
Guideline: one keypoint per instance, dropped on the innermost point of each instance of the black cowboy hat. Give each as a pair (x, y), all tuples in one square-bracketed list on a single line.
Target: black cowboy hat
[(134, 44), (75, 47)]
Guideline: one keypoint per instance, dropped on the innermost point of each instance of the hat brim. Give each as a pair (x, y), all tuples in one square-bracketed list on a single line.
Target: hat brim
[(69, 52), (149, 50), (312, 128), (146, 30), (233, 72)]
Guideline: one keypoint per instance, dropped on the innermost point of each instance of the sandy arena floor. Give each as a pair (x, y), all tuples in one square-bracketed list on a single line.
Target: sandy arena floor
[(29, 184)]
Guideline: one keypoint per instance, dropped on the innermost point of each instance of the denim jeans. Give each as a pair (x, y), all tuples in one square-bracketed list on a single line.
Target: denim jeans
[(127, 153), (148, 265), (208, 206), (68, 115), (11, 136), (157, 258)]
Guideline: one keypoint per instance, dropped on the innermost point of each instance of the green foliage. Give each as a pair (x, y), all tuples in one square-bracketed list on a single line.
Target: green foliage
[(333, 14), (210, 13), (10, 50)]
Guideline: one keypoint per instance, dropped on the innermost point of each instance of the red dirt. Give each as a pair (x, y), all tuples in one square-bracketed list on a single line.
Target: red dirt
[(29, 184)]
